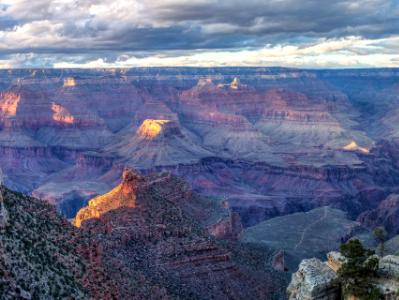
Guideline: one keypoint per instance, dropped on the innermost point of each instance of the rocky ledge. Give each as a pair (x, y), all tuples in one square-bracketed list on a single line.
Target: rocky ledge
[(317, 280)]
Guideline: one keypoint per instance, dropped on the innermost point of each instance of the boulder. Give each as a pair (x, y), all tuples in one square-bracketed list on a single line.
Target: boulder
[(389, 266), (313, 280)]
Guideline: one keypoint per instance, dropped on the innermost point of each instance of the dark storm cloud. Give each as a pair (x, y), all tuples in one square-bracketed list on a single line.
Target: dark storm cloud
[(304, 16), (112, 27)]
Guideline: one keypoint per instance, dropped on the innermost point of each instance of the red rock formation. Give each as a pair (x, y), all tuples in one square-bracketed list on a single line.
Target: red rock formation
[(157, 240), (124, 195), (227, 228), (61, 114)]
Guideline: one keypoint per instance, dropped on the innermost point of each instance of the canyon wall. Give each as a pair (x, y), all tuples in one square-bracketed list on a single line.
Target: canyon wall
[(268, 141)]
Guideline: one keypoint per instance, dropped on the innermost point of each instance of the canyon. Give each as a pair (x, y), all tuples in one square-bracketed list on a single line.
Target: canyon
[(243, 148)]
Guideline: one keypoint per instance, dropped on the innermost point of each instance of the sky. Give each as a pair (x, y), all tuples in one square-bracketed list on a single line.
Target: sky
[(145, 33)]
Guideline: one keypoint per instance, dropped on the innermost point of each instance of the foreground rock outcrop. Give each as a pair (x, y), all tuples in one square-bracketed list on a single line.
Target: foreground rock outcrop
[(313, 280), (317, 280)]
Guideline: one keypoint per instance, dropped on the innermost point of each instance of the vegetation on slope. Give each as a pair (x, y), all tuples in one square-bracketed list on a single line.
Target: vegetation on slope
[(42, 256)]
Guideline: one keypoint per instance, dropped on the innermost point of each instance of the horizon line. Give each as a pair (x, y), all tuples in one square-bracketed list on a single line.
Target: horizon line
[(204, 67)]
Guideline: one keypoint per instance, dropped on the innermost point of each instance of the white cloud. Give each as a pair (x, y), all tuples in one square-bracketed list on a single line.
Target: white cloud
[(325, 53), (36, 33)]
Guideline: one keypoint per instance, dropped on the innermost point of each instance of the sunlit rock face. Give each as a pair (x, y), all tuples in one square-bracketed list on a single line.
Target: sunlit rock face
[(353, 146), (124, 195), (269, 141), (69, 82), (150, 129), (235, 84), (9, 104), (61, 114)]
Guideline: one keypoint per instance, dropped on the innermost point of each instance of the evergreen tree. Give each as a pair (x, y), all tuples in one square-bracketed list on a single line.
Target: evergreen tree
[(355, 274)]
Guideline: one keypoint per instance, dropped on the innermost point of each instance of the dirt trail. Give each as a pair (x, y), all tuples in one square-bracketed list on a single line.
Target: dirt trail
[(309, 226)]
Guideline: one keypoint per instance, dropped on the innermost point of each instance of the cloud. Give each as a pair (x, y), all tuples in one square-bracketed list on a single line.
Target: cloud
[(338, 53), (102, 31)]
